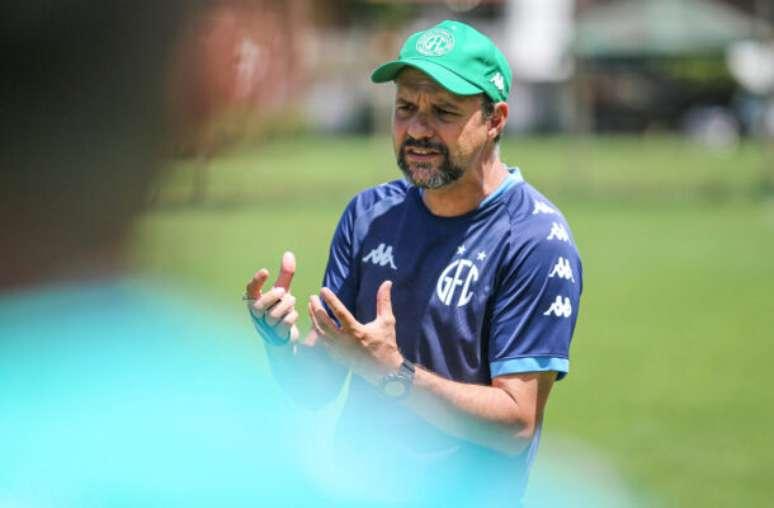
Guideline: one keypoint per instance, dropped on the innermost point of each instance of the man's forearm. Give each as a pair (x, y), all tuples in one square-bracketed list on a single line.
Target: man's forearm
[(486, 415), (306, 373), (502, 416)]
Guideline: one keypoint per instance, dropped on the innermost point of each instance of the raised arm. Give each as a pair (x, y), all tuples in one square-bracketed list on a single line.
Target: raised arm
[(303, 370), (502, 416)]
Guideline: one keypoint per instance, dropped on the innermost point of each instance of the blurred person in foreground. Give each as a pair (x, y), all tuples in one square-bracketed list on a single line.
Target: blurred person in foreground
[(451, 295), (115, 390)]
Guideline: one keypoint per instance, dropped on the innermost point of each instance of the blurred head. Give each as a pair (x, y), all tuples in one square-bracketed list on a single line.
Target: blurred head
[(452, 84), (84, 118)]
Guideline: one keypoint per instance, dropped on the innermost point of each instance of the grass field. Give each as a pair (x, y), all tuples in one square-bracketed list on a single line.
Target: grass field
[(669, 362)]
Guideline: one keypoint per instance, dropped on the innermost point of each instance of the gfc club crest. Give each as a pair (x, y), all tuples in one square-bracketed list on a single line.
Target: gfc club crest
[(436, 42), (455, 285)]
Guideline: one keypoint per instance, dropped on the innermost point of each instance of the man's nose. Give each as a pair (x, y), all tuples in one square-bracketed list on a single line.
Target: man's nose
[(419, 127)]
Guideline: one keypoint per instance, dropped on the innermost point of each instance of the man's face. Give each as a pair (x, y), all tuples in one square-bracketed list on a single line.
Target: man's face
[(437, 135)]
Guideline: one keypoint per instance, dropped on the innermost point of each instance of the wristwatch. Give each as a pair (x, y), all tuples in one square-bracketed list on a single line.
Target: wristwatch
[(397, 385)]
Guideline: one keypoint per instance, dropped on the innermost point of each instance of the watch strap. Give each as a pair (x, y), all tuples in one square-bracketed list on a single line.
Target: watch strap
[(403, 378)]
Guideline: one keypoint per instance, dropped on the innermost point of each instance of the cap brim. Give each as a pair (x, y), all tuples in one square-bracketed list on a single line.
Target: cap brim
[(440, 74)]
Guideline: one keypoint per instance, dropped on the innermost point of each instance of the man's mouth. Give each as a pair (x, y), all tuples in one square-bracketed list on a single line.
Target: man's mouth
[(417, 153)]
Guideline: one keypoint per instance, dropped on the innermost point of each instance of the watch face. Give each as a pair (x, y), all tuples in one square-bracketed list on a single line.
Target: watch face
[(394, 388)]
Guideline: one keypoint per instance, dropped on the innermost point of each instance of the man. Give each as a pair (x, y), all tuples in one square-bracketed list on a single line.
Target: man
[(451, 295)]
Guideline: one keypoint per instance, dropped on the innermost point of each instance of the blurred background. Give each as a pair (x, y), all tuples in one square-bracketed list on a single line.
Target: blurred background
[(649, 122)]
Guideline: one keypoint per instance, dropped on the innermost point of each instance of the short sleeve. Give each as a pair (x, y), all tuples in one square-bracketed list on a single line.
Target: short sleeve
[(536, 305), (339, 276)]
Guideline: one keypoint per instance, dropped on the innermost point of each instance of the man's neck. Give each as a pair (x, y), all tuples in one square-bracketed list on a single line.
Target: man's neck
[(465, 194)]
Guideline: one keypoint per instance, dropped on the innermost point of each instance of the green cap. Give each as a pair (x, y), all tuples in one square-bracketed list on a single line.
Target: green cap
[(460, 58)]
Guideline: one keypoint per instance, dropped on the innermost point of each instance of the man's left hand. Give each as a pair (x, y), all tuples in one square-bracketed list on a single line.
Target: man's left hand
[(370, 349)]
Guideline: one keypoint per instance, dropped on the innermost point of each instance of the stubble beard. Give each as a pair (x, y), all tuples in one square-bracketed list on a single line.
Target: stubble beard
[(446, 173)]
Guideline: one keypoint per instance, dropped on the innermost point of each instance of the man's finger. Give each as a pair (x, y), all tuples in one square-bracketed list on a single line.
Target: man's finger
[(253, 288), (279, 310), (290, 319), (384, 300), (346, 318), (287, 270), (312, 337), (285, 326), (267, 301), (324, 322), (310, 311)]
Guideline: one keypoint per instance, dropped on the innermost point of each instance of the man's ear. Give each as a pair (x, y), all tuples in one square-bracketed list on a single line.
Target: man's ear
[(498, 119)]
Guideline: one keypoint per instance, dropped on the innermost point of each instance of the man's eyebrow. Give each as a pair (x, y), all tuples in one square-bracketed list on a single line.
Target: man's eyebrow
[(442, 103)]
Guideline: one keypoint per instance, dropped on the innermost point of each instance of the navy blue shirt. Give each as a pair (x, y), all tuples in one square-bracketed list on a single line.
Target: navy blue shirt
[(488, 293), (492, 292)]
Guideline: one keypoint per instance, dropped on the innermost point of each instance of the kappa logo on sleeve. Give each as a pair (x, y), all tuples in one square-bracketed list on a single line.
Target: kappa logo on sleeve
[(558, 233), (541, 207), (381, 256), (562, 269), (560, 308)]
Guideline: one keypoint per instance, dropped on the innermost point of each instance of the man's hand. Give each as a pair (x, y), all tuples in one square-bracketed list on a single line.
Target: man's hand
[(303, 370), (503, 416), (275, 307), (370, 349)]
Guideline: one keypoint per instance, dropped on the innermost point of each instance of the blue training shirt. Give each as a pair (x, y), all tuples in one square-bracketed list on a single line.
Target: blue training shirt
[(492, 292), (488, 293)]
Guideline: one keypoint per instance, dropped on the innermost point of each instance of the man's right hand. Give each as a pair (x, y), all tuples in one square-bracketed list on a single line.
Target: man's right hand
[(274, 310)]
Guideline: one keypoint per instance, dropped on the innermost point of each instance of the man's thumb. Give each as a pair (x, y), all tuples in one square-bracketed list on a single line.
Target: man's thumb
[(287, 270), (384, 300)]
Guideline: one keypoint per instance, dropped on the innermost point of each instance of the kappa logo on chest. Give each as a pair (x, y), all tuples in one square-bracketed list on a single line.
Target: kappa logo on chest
[(381, 256)]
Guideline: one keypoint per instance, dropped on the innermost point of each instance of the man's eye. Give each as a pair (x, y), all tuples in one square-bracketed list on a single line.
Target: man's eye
[(405, 107), (444, 112)]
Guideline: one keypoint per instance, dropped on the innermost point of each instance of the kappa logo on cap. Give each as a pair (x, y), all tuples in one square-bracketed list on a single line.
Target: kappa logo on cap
[(499, 81), (435, 42)]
